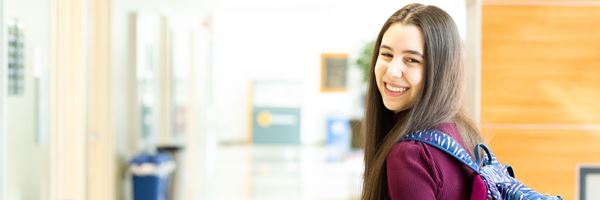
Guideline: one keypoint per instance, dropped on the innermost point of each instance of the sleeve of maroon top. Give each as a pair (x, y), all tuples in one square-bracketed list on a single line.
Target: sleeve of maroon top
[(410, 172)]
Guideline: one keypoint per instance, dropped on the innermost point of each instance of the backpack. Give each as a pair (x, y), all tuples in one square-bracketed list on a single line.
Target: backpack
[(499, 179)]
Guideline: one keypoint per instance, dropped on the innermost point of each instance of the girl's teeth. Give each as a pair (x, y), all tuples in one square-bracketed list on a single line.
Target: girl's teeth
[(395, 89)]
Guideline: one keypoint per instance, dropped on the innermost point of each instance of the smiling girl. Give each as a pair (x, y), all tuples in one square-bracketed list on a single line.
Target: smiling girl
[(416, 84)]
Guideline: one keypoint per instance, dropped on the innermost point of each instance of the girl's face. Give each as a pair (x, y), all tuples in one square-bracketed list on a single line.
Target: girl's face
[(400, 66)]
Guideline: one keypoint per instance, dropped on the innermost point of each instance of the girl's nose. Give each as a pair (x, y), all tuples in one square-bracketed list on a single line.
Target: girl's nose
[(395, 69)]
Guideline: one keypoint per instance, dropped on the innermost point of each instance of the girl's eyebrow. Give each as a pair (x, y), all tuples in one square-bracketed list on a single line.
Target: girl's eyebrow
[(383, 46), (417, 53), (414, 52)]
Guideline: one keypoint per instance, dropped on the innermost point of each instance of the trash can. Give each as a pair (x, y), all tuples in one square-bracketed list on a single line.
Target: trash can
[(150, 176), (174, 151)]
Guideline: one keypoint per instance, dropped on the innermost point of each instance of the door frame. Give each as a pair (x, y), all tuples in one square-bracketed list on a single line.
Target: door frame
[(472, 103)]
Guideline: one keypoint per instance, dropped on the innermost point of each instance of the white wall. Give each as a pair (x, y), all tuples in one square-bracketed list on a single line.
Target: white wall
[(268, 39), (27, 166)]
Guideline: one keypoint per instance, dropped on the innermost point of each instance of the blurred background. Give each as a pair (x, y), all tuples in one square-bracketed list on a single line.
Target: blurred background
[(262, 99)]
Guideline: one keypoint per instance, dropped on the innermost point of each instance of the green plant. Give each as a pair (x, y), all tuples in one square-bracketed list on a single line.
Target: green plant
[(364, 59)]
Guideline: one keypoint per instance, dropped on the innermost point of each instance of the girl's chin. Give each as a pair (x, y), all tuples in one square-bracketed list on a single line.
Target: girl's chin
[(395, 109)]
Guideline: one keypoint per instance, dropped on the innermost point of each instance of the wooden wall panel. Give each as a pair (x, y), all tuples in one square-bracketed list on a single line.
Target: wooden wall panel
[(546, 160), (540, 64), (541, 88)]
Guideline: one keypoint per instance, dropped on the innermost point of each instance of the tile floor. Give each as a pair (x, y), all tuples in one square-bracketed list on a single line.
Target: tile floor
[(264, 172)]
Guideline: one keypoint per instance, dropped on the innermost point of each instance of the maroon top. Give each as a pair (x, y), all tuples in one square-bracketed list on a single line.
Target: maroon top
[(416, 170)]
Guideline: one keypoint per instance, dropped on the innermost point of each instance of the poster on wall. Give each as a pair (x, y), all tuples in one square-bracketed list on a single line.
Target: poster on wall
[(15, 58), (334, 67), (276, 112)]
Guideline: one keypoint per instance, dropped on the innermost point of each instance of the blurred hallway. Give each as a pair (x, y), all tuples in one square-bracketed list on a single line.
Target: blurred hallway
[(263, 99)]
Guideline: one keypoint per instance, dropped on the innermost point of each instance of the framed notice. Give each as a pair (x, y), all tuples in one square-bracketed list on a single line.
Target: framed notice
[(334, 67), (588, 182)]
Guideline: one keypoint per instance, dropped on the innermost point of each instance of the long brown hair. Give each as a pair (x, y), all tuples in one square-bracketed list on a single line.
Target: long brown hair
[(438, 101)]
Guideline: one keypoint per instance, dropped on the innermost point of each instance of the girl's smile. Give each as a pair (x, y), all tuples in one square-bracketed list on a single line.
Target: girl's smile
[(395, 90)]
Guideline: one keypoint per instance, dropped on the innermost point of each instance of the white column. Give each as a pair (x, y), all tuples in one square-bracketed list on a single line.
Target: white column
[(101, 157), (472, 101), (68, 85)]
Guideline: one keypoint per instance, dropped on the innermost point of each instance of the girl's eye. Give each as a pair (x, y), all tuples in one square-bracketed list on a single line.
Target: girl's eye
[(389, 55), (412, 60)]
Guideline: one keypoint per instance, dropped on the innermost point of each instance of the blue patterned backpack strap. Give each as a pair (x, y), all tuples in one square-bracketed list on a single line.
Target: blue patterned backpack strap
[(444, 142), (498, 178)]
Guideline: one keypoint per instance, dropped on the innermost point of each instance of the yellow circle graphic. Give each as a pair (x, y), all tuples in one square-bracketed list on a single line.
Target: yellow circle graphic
[(264, 119)]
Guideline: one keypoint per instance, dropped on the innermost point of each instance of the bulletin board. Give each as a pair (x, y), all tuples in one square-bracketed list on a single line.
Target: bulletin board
[(334, 68), (276, 106), (588, 182)]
